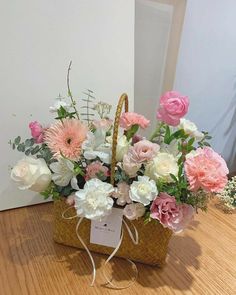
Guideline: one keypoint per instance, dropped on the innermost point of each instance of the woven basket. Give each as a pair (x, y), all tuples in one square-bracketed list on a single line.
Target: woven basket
[(153, 238)]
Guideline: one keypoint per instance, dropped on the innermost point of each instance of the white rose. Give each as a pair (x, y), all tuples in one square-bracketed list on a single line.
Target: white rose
[(94, 201), (162, 166), (33, 174), (190, 128), (122, 148), (143, 191), (134, 211)]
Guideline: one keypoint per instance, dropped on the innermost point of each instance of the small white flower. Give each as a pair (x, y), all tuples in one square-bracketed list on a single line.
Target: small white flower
[(143, 191), (162, 166), (94, 201), (30, 173), (122, 147), (190, 128), (96, 146), (134, 211), (59, 102), (64, 173)]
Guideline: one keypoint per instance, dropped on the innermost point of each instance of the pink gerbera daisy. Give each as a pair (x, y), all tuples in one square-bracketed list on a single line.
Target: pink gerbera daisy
[(66, 137)]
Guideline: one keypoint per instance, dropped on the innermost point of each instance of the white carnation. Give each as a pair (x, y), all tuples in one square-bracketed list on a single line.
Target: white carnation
[(143, 191), (94, 201)]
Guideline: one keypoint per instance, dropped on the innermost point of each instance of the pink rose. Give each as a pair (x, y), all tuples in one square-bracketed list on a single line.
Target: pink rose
[(207, 170), (96, 170), (103, 124), (129, 119), (173, 106), (36, 131), (122, 194), (134, 211), (175, 217), (143, 151)]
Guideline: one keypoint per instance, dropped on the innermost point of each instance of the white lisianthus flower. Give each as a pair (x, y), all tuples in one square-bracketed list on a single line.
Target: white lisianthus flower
[(64, 173), (190, 128), (33, 174), (94, 201), (59, 102), (162, 166), (143, 191), (97, 146), (134, 211), (122, 147)]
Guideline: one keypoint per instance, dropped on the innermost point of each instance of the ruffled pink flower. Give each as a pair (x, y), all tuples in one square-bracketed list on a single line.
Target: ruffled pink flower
[(206, 170), (122, 194), (143, 151), (96, 170), (103, 124), (173, 106), (130, 167), (175, 217), (36, 131), (134, 211), (66, 138), (129, 119)]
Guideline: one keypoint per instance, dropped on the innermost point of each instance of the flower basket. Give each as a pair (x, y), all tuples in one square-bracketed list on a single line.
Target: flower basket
[(151, 249), (116, 192)]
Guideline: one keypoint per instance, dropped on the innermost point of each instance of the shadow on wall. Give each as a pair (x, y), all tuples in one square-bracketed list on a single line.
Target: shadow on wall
[(229, 134)]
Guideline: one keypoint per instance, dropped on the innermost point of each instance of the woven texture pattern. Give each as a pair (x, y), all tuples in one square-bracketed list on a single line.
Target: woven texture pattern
[(123, 101), (153, 238)]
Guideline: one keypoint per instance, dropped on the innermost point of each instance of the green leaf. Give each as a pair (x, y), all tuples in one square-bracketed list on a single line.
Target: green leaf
[(35, 150), (167, 135), (206, 143), (13, 146), (191, 141), (21, 147), (29, 142), (17, 140), (27, 152), (173, 177)]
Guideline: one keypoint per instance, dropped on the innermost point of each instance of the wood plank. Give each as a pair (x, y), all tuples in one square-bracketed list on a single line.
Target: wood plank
[(201, 260)]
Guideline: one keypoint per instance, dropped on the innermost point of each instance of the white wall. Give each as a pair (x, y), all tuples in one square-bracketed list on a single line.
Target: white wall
[(206, 70), (152, 28), (38, 39)]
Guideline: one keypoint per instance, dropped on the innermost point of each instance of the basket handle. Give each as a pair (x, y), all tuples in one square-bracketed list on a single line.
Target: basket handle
[(122, 101)]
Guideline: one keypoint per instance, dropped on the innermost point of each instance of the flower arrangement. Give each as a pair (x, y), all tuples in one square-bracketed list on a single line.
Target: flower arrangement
[(166, 177)]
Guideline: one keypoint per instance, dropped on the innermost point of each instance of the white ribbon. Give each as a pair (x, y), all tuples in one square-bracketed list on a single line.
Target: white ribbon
[(134, 238)]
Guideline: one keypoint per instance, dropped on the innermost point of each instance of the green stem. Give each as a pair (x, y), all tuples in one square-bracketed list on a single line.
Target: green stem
[(69, 91)]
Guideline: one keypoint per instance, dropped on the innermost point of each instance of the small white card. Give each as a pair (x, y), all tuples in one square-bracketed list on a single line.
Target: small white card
[(107, 231)]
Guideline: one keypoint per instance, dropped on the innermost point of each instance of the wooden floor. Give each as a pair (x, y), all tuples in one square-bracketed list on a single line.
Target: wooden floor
[(202, 260)]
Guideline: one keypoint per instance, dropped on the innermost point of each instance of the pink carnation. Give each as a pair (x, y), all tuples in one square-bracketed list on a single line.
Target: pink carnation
[(206, 170), (96, 170), (129, 119), (143, 151), (175, 217), (36, 131), (173, 106)]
